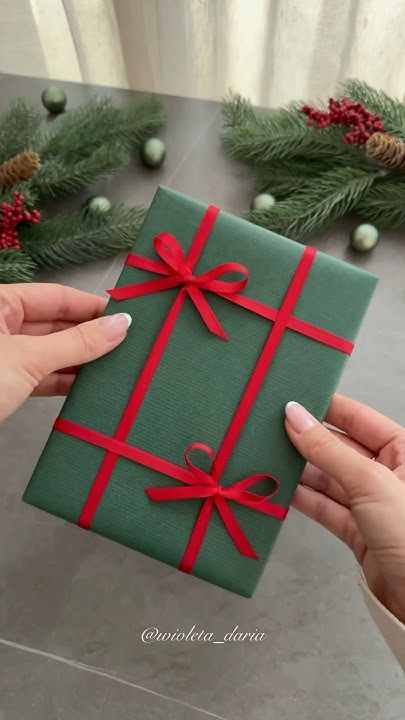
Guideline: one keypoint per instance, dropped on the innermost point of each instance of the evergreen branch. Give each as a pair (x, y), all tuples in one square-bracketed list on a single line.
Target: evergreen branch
[(236, 111), (283, 177), (140, 119), (391, 110), (78, 238), (16, 266), (322, 200), (284, 134), (384, 204), (59, 177), (17, 127), (99, 123), (78, 131)]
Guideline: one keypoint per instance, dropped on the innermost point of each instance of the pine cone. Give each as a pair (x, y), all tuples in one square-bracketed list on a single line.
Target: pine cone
[(387, 149), (19, 167)]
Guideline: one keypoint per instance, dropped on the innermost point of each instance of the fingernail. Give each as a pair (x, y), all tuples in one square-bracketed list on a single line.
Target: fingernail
[(112, 327), (298, 417)]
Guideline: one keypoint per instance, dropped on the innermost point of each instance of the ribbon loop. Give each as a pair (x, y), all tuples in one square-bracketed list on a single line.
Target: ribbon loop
[(202, 475), (209, 281), (170, 251)]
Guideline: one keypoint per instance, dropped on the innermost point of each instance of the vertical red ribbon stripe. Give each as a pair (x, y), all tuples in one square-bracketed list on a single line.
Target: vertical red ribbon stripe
[(141, 387), (248, 398)]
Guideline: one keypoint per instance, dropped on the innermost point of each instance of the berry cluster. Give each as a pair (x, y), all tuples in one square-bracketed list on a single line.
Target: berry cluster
[(11, 215), (362, 122)]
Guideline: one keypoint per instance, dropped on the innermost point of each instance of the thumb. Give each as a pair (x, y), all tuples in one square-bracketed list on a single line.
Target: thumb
[(76, 345), (358, 475)]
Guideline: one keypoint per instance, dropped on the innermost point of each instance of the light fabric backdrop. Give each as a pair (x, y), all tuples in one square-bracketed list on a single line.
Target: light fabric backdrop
[(270, 50)]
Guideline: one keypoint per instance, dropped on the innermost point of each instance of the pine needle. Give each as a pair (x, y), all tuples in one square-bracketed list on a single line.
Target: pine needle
[(322, 200), (16, 266), (17, 127), (79, 238)]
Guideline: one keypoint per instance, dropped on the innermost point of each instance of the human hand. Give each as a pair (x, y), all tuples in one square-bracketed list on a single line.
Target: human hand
[(360, 501), (46, 331)]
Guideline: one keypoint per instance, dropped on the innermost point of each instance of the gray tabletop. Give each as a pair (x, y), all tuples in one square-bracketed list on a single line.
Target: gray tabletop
[(73, 605)]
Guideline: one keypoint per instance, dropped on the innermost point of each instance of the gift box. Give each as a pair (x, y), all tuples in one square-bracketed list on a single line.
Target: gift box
[(174, 443)]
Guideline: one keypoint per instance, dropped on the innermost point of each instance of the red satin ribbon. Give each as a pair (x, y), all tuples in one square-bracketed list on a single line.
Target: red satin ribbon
[(179, 272), (197, 484)]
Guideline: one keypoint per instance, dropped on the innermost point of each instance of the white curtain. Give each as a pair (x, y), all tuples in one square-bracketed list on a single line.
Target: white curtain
[(270, 50)]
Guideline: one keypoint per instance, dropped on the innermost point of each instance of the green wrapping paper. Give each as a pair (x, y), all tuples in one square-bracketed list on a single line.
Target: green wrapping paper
[(195, 391)]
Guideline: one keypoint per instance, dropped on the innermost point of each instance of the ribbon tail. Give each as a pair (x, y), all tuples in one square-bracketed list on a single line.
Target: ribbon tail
[(197, 536), (234, 529), (206, 312)]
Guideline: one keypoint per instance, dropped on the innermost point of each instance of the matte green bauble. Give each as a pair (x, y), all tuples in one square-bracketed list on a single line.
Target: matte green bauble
[(364, 238), (153, 152), (54, 99), (97, 204), (263, 201)]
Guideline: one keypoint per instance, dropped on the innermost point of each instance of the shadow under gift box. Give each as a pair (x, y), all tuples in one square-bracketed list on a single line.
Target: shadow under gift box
[(195, 391)]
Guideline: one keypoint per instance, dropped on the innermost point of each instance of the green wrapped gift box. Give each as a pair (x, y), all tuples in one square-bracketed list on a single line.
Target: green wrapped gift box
[(174, 443)]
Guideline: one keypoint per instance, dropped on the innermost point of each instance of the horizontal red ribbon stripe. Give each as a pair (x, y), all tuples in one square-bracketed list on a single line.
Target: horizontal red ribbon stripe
[(300, 326)]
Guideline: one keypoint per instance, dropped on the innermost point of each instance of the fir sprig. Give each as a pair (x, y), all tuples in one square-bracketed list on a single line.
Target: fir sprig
[(78, 238), (317, 204), (314, 175), (16, 266), (17, 127), (98, 124), (283, 177), (236, 111), (282, 134), (76, 133), (384, 204), (141, 119), (391, 110), (61, 176)]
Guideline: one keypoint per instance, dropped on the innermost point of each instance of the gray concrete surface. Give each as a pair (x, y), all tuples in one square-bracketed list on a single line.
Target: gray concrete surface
[(73, 605)]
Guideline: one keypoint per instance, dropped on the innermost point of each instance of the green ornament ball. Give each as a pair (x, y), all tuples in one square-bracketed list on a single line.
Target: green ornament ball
[(97, 204), (153, 152), (263, 201), (364, 238), (54, 99)]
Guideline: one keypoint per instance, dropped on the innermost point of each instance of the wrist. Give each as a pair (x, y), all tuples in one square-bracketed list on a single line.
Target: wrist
[(392, 599)]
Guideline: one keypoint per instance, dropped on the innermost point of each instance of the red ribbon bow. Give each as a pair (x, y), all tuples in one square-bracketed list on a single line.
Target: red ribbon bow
[(205, 485), (178, 272)]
